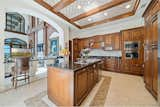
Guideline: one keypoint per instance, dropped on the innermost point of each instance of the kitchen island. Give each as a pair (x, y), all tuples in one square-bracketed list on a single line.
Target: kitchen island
[(70, 83)]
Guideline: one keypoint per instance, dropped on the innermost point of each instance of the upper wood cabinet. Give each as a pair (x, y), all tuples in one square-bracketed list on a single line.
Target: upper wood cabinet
[(116, 41), (126, 35), (113, 40), (108, 40)]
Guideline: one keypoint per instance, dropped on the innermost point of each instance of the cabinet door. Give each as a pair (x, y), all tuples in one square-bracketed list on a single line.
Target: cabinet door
[(108, 40), (155, 54), (81, 85), (116, 41), (148, 35), (86, 43), (138, 34), (95, 67), (90, 78), (154, 31), (126, 36), (155, 71), (110, 64), (148, 68)]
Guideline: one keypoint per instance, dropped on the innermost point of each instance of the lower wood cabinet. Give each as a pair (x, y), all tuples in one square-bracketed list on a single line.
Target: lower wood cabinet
[(112, 64), (81, 85), (90, 78), (85, 80)]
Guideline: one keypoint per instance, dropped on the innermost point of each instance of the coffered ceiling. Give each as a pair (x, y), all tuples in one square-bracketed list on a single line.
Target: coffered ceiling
[(88, 13)]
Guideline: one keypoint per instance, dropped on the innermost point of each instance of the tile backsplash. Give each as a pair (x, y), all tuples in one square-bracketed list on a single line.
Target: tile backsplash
[(100, 52)]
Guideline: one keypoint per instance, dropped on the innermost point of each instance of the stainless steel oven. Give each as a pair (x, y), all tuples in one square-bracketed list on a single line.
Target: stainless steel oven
[(131, 54), (131, 45)]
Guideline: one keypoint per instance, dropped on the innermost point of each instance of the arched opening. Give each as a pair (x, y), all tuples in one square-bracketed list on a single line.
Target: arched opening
[(32, 10)]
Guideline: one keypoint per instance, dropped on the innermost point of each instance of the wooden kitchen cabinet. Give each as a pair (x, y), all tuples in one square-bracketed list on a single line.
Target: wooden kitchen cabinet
[(151, 47), (126, 36), (113, 40), (76, 49), (85, 80), (108, 40), (81, 85), (90, 78), (116, 41), (112, 64), (155, 73), (133, 65)]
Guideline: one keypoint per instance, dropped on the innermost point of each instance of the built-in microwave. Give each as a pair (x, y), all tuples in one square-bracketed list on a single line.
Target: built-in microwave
[(131, 54), (131, 45)]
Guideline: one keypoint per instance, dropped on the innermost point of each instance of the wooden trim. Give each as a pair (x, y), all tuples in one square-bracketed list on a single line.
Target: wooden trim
[(50, 8), (94, 11), (153, 2), (99, 9), (136, 6), (133, 28), (15, 32), (108, 20), (63, 3)]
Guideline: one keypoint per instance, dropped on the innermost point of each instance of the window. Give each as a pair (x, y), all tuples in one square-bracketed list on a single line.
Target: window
[(54, 46), (15, 22), (13, 43), (7, 50), (40, 47)]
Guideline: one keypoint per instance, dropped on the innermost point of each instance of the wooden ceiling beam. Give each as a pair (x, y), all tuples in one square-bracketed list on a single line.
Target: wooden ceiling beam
[(106, 6), (63, 3), (50, 8), (136, 5), (108, 20)]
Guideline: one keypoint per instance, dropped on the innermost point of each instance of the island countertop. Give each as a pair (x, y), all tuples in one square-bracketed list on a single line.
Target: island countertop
[(74, 66)]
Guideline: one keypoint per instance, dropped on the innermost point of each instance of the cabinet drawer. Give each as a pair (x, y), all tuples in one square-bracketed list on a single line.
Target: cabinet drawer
[(125, 68), (137, 69)]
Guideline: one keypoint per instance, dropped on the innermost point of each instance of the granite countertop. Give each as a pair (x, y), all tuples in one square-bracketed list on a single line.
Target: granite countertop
[(42, 59), (73, 66)]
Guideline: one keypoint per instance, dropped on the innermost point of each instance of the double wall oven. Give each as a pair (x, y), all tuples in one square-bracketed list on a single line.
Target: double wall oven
[(131, 49)]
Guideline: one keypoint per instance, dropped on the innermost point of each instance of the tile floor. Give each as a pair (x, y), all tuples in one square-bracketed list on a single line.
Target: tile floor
[(125, 90), (41, 73)]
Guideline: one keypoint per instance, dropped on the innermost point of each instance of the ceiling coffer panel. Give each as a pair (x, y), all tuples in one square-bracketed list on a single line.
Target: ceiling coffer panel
[(88, 13), (81, 6), (52, 2), (106, 14)]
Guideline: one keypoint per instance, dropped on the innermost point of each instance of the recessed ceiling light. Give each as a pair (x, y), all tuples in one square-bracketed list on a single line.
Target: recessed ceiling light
[(89, 19), (88, 2), (105, 14), (128, 6), (79, 6)]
